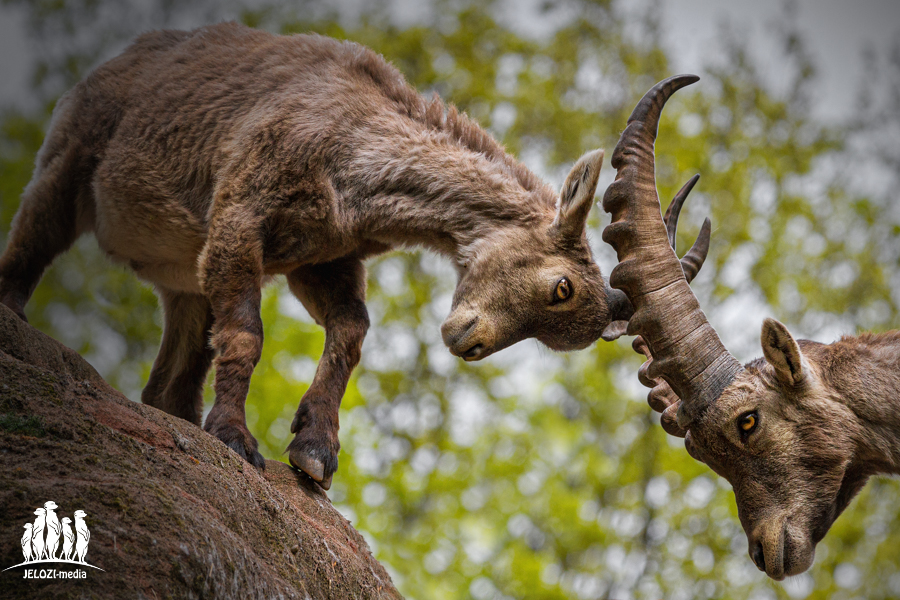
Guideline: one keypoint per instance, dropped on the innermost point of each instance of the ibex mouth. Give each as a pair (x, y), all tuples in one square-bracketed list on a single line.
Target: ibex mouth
[(758, 556), (473, 353)]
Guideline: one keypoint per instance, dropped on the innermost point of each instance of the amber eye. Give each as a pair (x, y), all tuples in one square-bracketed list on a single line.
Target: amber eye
[(747, 422), (563, 290)]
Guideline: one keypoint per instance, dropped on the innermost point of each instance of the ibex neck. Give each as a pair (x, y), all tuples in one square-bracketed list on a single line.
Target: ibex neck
[(865, 371), (428, 189)]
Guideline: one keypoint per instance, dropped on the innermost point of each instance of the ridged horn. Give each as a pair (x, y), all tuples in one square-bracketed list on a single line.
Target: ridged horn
[(661, 398), (693, 260), (687, 353), (620, 308)]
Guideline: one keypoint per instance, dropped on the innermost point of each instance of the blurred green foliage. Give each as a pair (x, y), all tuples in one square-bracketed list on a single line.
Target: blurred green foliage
[(531, 474)]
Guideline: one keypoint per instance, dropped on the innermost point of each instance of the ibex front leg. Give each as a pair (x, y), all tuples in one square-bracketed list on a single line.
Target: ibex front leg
[(334, 294), (232, 269)]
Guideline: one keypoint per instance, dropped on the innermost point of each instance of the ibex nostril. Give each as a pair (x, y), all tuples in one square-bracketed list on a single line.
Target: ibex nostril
[(453, 333), (471, 325), (758, 557)]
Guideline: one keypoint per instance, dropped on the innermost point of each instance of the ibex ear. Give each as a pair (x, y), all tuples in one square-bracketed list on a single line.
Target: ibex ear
[(577, 194), (782, 352)]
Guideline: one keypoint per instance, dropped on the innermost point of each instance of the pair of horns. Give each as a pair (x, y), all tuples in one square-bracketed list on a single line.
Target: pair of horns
[(686, 352)]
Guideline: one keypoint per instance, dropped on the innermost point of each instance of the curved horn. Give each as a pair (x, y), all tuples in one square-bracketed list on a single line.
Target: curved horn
[(693, 260), (620, 308), (687, 353), (661, 398)]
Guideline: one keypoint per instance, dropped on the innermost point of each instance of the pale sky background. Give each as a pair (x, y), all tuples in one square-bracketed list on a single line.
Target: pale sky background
[(835, 30)]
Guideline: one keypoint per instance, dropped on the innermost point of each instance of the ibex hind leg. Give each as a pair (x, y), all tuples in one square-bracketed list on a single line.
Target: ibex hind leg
[(45, 226), (185, 356)]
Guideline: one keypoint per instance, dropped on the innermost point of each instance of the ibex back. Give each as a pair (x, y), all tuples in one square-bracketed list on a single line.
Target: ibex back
[(209, 161)]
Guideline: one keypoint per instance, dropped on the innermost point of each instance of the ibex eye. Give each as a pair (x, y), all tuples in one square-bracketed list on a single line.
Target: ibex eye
[(747, 422), (563, 290)]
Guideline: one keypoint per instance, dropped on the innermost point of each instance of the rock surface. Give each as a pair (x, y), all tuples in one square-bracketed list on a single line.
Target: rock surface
[(172, 512)]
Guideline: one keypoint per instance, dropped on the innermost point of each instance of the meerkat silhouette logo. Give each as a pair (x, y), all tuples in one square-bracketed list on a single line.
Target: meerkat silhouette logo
[(42, 539)]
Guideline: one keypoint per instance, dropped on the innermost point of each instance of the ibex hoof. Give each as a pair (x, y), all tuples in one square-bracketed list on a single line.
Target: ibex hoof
[(317, 469), (252, 456), (314, 449), (312, 467), (241, 441)]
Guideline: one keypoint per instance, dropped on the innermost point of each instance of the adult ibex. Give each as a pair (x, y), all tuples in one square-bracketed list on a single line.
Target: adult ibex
[(209, 161), (798, 432)]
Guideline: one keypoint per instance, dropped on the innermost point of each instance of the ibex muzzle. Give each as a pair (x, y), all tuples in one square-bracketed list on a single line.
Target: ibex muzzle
[(796, 433)]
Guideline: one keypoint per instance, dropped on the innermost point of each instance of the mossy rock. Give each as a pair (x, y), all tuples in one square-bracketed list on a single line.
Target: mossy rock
[(173, 512)]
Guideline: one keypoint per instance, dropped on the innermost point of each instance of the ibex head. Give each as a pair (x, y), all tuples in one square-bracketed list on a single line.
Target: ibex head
[(785, 442), (537, 281), (769, 427)]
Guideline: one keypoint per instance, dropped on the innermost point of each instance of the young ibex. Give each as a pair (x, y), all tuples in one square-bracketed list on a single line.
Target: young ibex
[(210, 161), (798, 432)]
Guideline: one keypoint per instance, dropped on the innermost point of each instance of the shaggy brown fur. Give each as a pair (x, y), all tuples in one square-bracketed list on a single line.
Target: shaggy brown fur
[(211, 160)]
